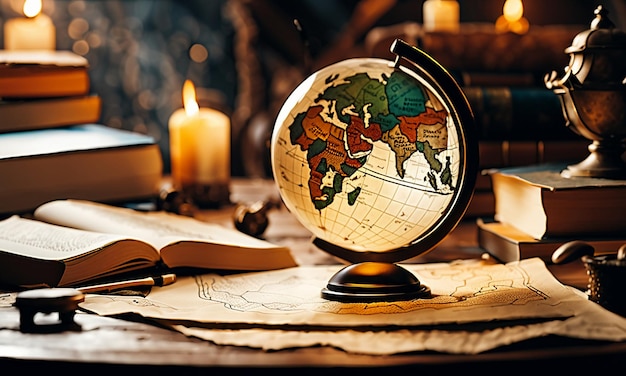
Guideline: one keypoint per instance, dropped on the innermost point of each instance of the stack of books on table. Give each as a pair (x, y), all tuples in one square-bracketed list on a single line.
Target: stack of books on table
[(518, 121), (513, 152), (537, 210), (51, 144)]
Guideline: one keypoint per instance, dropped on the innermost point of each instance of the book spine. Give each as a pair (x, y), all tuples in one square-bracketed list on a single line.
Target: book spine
[(499, 248), (482, 204), (538, 50), (517, 113), (513, 153)]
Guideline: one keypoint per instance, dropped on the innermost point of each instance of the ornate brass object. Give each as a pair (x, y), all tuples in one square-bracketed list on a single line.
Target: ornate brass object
[(593, 97)]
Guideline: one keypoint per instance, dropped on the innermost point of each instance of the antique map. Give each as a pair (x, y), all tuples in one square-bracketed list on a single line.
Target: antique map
[(512, 301)]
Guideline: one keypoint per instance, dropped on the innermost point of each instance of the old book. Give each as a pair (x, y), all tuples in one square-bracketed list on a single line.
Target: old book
[(538, 50), (506, 243), (41, 74), (71, 242), (481, 204), (89, 161), (537, 200), (26, 114), (534, 53), (509, 153), (517, 113)]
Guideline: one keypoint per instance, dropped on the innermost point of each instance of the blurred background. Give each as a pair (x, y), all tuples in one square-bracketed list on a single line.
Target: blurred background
[(245, 56)]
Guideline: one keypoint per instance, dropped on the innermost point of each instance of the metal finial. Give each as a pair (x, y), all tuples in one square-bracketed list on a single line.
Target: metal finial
[(601, 21)]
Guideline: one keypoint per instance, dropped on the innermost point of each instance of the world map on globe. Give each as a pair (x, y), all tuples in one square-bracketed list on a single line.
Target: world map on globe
[(365, 155)]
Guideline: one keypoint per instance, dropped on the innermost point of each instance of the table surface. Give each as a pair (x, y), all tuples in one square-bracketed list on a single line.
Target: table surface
[(113, 343)]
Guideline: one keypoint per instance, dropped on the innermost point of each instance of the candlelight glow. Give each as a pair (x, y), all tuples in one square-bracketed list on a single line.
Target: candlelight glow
[(200, 150), (189, 99), (35, 31), (32, 8), (512, 18)]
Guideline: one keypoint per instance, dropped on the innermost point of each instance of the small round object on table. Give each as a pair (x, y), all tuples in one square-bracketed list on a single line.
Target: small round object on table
[(571, 251), (64, 301)]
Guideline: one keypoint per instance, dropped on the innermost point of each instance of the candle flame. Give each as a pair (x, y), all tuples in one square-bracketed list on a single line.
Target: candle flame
[(32, 8), (513, 10), (512, 18), (189, 98)]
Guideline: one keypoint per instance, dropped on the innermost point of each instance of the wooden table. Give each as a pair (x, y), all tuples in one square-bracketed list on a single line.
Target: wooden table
[(106, 344)]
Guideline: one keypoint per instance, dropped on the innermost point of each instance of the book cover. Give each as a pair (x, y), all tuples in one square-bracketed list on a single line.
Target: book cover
[(532, 54), (88, 161), (538, 50), (507, 244), (537, 200), (19, 115), (517, 153), (41, 74), (481, 204), (517, 113)]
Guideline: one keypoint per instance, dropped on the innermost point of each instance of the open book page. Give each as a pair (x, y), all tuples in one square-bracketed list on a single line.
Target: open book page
[(41, 240), (156, 228), (37, 254)]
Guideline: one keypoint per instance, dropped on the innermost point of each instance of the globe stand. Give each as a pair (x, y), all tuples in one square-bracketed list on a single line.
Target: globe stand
[(373, 282), (416, 111)]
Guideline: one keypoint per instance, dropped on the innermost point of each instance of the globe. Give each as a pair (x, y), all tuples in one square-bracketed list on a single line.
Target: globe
[(377, 159)]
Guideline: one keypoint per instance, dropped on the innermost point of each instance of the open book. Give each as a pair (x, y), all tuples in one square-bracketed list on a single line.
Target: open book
[(71, 242)]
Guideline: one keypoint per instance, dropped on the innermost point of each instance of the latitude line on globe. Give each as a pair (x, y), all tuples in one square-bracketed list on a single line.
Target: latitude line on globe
[(378, 175)]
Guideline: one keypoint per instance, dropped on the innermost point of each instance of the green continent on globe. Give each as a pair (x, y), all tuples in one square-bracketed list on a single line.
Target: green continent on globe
[(338, 132)]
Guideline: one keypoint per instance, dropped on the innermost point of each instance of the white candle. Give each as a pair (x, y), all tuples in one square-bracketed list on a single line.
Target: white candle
[(35, 32), (441, 15), (199, 143)]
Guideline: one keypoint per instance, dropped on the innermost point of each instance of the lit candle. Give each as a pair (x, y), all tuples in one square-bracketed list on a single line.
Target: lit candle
[(35, 32), (441, 15), (200, 149), (512, 18)]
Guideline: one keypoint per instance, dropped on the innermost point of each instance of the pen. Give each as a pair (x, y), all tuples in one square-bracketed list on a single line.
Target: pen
[(162, 280)]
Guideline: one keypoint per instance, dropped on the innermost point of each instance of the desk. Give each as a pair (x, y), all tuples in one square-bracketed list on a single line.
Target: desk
[(115, 344)]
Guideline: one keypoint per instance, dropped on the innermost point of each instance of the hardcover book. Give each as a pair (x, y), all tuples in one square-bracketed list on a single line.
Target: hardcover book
[(507, 244), (517, 113), (42, 74), (88, 161), (540, 202), (71, 242), (516, 153), (19, 115)]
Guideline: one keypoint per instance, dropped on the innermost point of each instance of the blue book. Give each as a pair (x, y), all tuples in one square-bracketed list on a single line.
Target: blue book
[(90, 161)]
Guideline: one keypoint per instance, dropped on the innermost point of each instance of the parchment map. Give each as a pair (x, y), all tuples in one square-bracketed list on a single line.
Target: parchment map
[(288, 292), (463, 292), (258, 310)]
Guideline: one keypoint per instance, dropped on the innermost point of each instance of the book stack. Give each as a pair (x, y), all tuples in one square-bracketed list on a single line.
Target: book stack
[(537, 210), (51, 144), (518, 120)]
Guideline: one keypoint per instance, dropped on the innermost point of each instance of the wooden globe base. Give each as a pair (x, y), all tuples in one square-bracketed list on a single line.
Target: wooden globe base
[(374, 282)]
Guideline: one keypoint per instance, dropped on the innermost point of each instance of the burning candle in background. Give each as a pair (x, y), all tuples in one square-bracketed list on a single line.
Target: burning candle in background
[(441, 15), (200, 151), (34, 32), (512, 18)]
